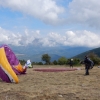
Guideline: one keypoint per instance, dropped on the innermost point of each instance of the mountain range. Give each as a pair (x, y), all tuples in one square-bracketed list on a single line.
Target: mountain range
[(34, 53), (95, 51)]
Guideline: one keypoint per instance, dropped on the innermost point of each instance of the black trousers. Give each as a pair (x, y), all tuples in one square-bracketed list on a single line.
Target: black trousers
[(86, 70)]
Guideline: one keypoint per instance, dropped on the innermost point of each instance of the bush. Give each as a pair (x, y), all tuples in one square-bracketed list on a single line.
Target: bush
[(62, 61)]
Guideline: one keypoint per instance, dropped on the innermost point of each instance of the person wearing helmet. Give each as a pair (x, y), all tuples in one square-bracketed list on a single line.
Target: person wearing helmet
[(71, 63)]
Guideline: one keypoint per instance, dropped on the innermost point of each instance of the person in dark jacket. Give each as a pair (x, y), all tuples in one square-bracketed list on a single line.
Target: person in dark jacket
[(71, 63), (88, 64)]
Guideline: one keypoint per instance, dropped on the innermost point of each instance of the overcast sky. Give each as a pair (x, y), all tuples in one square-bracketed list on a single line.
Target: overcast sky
[(50, 22)]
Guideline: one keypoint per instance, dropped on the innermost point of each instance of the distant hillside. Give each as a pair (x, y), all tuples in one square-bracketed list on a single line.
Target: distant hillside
[(55, 53), (37, 57), (96, 51), (34, 53)]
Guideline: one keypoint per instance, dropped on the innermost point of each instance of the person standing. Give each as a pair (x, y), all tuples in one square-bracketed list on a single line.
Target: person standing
[(88, 64), (71, 63)]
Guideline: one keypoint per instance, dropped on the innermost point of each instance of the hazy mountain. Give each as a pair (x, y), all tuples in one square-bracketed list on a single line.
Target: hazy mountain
[(81, 55), (34, 53)]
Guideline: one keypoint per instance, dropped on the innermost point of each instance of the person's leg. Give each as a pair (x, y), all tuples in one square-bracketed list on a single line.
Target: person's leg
[(91, 66), (72, 66), (87, 70)]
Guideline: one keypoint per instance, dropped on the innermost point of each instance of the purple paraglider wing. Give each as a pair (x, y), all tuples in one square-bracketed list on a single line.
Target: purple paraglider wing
[(4, 76)]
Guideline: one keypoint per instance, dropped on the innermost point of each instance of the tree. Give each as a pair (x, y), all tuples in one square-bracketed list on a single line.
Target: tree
[(62, 60), (33, 63), (94, 58), (46, 58), (55, 62), (40, 63), (22, 62), (76, 61)]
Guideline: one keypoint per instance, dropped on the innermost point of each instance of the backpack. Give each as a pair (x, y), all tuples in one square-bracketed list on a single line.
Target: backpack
[(92, 63), (89, 62)]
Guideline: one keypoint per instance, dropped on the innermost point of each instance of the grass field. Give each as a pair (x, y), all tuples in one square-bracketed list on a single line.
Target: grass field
[(67, 85)]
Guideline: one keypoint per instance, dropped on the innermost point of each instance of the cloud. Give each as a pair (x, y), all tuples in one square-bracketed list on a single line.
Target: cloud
[(45, 10), (9, 37), (69, 38), (84, 12), (77, 38), (83, 38)]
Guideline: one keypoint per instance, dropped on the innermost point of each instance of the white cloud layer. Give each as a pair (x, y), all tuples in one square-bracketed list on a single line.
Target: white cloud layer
[(70, 38), (8, 37), (81, 12), (45, 10), (84, 12)]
